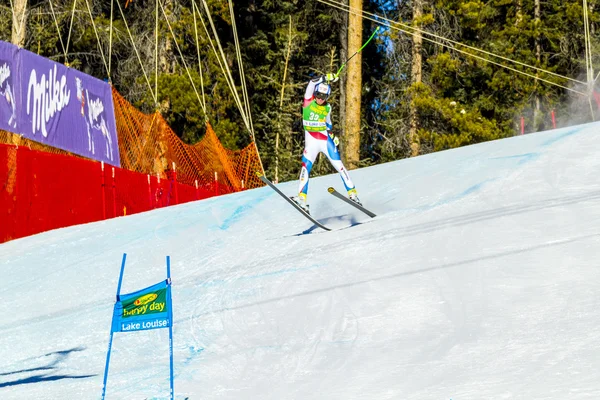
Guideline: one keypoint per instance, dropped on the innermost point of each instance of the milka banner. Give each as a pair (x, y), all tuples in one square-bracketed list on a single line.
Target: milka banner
[(8, 101), (56, 105)]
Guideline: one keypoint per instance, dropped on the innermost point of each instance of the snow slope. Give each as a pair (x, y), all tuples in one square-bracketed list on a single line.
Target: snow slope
[(478, 279)]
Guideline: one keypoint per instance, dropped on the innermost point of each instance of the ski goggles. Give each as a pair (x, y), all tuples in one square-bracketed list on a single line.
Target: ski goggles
[(321, 96)]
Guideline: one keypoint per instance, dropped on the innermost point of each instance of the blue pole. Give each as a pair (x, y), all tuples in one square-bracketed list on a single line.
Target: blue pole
[(121, 276), (107, 362), (111, 331), (170, 324), (169, 268)]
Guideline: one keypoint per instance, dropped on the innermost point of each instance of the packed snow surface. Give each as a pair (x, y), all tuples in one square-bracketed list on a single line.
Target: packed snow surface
[(478, 279)]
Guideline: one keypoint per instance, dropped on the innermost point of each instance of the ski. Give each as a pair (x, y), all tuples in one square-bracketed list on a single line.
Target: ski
[(347, 200), (292, 203)]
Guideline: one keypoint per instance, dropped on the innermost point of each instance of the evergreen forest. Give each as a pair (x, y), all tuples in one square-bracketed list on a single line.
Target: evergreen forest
[(437, 74)]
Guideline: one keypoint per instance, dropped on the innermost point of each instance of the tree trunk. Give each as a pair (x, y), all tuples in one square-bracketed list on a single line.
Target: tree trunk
[(19, 22), (518, 20), (518, 12), (353, 87), (165, 54), (592, 6), (287, 59), (18, 38), (538, 56), (343, 57), (416, 76), (166, 63)]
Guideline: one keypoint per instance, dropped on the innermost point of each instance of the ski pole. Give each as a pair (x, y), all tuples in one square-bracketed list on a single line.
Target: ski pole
[(359, 50)]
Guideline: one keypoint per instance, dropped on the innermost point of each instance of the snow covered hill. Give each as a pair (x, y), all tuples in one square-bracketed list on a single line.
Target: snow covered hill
[(478, 279)]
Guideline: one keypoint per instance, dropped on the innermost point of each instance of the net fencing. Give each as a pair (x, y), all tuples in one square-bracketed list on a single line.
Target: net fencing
[(46, 188)]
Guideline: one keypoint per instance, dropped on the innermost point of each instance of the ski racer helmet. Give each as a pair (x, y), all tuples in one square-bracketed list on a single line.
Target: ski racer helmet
[(322, 91)]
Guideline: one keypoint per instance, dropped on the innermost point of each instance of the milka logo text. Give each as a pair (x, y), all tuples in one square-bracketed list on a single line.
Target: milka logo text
[(4, 73), (45, 99)]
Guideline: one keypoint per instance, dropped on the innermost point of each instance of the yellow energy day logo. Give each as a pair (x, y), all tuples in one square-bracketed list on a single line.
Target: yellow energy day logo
[(143, 305), (145, 299)]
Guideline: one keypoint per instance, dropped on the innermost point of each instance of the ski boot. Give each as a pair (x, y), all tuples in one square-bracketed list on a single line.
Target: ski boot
[(301, 201), (352, 195)]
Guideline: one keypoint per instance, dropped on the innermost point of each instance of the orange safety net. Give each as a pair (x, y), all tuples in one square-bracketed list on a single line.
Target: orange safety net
[(174, 172), (18, 140), (147, 144)]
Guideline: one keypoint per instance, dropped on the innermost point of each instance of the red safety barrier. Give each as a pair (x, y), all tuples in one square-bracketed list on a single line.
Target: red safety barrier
[(43, 191)]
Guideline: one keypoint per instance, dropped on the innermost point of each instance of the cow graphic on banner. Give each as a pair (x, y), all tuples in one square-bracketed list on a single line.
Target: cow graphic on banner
[(7, 92), (9, 79), (94, 118)]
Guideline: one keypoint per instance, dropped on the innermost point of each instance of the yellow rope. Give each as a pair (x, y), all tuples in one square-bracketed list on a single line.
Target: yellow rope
[(19, 25), (228, 75), (413, 31), (588, 44), (97, 38), (218, 58), (71, 27), (198, 49), (156, 53), (243, 79), (287, 59), (154, 95), (182, 58), (110, 43), (58, 31), (411, 28), (588, 56), (241, 68), (216, 53)]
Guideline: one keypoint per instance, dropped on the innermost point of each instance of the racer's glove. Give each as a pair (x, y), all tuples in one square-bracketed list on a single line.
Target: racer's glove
[(330, 77), (335, 139)]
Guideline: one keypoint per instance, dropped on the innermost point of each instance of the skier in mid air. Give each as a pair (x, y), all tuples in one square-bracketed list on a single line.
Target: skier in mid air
[(319, 138)]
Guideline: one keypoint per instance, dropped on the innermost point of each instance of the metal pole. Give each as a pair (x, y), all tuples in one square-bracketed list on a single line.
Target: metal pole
[(170, 323), (111, 331)]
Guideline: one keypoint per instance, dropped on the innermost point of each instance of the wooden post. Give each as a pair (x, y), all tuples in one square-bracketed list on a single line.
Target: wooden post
[(597, 98), (19, 22), (353, 87), (216, 184), (416, 77), (175, 184), (149, 194), (158, 193), (114, 187), (522, 125), (103, 190)]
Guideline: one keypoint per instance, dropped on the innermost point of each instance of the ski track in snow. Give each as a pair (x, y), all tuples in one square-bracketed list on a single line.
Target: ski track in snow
[(478, 279)]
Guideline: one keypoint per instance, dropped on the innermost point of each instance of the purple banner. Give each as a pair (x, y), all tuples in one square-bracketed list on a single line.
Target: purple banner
[(8, 102), (62, 107)]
